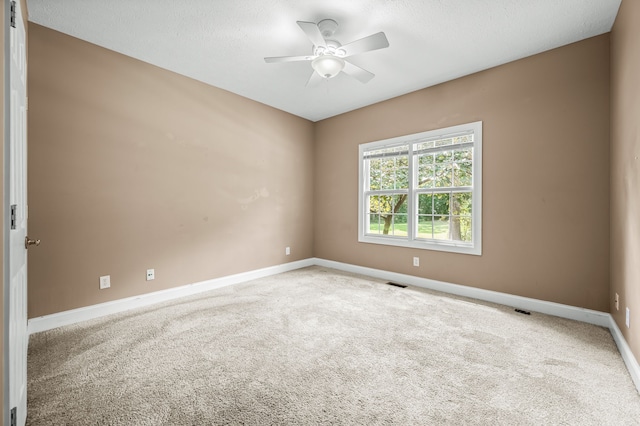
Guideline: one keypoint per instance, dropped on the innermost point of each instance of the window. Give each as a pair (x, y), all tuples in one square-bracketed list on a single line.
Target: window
[(423, 190)]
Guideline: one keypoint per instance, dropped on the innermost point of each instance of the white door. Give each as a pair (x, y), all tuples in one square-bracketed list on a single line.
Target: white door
[(18, 337)]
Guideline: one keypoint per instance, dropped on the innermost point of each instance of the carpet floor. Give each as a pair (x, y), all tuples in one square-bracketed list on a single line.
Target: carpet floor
[(321, 347)]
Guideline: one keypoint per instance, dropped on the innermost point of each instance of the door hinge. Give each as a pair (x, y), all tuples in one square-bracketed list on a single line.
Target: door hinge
[(14, 207), (14, 416), (13, 14)]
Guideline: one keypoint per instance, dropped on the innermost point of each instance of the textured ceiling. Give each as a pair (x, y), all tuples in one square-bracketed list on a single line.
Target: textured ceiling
[(223, 42)]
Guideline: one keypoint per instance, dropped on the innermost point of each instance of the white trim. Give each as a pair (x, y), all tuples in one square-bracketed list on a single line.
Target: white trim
[(627, 356), (444, 245), (526, 303), (73, 316), (411, 241), (6, 246), (589, 316)]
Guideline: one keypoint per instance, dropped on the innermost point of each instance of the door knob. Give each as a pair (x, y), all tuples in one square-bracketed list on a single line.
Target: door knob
[(28, 242)]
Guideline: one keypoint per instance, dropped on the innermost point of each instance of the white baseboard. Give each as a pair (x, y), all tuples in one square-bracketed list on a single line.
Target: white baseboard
[(525, 303), (627, 356), (73, 316), (602, 319)]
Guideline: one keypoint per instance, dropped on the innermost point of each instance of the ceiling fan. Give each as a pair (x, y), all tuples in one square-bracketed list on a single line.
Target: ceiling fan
[(329, 57)]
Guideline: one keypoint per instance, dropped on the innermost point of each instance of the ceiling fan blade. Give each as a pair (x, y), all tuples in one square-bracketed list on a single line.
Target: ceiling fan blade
[(372, 42), (313, 32), (356, 72), (315, 80), (288, 59)]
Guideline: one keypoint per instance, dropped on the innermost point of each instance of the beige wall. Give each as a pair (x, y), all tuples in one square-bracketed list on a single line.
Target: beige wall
[(134, 167), (546, 176), (625, 170)]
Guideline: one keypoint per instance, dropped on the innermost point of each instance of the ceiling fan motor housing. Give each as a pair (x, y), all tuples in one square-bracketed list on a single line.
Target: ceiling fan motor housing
[(327, 27)]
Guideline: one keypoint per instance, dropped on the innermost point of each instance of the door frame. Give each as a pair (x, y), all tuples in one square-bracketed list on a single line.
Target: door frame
[(6, 224)]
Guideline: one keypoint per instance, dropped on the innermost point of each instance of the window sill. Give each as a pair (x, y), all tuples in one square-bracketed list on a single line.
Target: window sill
[(446, 246)]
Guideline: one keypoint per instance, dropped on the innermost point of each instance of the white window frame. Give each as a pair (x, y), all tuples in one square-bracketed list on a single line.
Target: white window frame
[(475, 247)]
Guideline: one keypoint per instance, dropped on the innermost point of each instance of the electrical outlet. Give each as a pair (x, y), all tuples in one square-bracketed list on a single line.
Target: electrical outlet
[(627, 320), (287, 251), (105, 282), (617, 302), (151, 274), (416, 261)]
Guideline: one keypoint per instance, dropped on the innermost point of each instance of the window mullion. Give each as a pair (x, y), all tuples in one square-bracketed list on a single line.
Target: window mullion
[(444, 189), (411, 201), (450, 214), (366, 179), (386, 192)]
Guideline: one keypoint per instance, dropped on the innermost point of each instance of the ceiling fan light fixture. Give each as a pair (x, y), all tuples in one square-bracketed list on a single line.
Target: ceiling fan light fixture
[(328, 66), (328, 55)]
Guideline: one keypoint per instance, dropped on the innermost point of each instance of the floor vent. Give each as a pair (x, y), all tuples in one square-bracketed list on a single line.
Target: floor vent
[(397, 285)]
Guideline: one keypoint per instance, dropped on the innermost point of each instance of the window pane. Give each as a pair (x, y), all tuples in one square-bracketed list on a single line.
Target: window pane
[(390, 204), (388, 214), (402, 173), (443, 175), (441, 204), (461, 228), (462, 173), (388, 174), (374, 174), (426, 175), (374, 224), (425, 227), (461, 203), (463, 154), (426, 159), (393, 172), (377, 203), (425, 204), (400, 203), (395, 222), (399, 225), (443, 157), (441, 228)]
